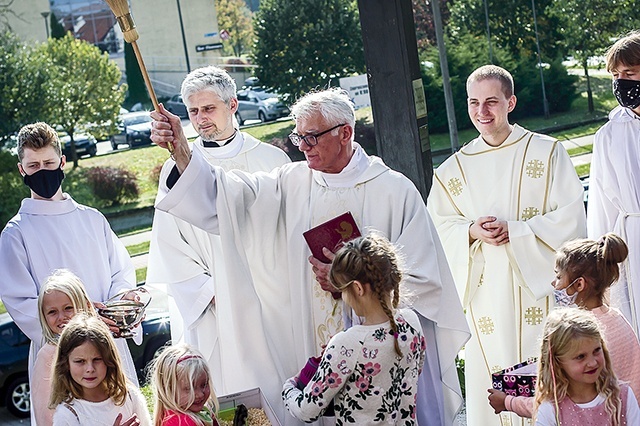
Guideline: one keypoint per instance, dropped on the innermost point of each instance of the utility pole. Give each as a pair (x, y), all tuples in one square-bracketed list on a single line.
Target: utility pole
[(446, 81), (395, 85), (545, 103), (184, 39)]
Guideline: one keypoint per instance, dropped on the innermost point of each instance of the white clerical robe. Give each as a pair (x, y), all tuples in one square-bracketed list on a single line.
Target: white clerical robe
[(187, 260), (614, 201), (49, 235), (261, 218), (529, 181)]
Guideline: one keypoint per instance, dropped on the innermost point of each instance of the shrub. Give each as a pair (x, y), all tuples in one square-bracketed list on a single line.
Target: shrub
[(154, 174), (12, 188), (112, 184)]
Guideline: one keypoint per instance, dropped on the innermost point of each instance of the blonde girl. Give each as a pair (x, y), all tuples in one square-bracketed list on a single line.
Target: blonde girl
[(585, 269), (61, 297), (576, 383), (89, 385), (370, 371), (182, 389)]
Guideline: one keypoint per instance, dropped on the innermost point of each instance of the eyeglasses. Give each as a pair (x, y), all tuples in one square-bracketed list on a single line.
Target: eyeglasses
[(310, 140)]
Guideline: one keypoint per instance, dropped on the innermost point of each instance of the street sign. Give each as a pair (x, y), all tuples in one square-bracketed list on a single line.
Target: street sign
[(210, 46)]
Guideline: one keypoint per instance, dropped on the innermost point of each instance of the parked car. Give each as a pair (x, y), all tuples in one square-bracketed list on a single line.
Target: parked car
[(85, 145), (176, 106), (14, 364), (134, 129), (14, 358), (259, 104)]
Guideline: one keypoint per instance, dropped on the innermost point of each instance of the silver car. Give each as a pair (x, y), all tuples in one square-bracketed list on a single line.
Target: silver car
[(258, 104)]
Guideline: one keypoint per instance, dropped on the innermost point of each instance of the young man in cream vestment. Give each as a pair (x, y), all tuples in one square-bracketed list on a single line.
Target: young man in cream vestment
[(502, 205), (261, 218), (614, 182), (188, 260)]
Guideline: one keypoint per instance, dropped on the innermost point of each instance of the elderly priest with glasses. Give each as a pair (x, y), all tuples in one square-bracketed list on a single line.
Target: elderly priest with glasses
[(279, 300)]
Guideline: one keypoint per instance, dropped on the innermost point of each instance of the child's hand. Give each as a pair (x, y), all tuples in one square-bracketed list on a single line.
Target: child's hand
[(496, 400), (131, 421)]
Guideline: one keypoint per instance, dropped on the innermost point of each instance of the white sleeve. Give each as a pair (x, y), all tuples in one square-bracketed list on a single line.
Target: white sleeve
[(546, 415), (65, 417), (633, 412)]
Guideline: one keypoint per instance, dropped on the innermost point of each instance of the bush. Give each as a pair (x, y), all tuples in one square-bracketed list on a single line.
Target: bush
[(154, 174), (12, 188), (112, 184)]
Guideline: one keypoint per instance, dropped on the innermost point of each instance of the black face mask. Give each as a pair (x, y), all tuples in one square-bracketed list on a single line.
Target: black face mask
[(627, 92), (45, 182)]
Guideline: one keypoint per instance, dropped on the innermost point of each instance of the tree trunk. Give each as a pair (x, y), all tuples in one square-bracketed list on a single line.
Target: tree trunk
[(589, 92)]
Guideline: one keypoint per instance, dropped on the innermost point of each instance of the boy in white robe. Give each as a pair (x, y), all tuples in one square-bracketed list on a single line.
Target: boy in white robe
[(188, 260), (614, 181), (502, 205), (261, 217), (52, 231)]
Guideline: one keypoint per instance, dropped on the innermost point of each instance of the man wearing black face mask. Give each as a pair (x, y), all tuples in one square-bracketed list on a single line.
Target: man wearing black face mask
[(52, 231), (614, 184)]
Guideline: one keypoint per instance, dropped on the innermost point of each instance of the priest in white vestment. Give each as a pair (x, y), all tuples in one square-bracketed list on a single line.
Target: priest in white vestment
[(502, 205), (614, 180), (261, 217), (186, 260), (52, 231)]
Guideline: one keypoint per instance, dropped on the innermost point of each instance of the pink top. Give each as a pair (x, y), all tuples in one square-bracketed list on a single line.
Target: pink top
[(624, 350), (171, 418), (41, 385)]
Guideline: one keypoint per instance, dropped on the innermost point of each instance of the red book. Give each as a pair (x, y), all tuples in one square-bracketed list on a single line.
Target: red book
[(331, 234)]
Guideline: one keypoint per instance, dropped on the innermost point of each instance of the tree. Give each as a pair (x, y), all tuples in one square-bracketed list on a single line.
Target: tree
[(235, 18), (587, 30), (23, 79), (511, 25), (423, 18), (82, 86), (305, 44), (57, 30), (135, 81)]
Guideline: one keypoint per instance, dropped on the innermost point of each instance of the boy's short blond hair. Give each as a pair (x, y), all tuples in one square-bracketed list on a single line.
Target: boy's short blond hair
[(625, 51), (493, 72), (37, 136)]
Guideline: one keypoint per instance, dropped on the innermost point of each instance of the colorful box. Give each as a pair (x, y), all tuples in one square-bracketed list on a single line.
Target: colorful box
[(252, 398), (519, 380)]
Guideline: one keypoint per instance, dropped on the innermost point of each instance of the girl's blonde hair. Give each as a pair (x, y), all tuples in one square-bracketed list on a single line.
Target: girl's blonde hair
[(176, 366), (373, 260), (563, 331), (68, 283), (81, 329), (595, 261)]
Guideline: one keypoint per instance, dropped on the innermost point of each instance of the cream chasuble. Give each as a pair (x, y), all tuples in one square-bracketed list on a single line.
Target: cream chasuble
[(261, 218), (614, 202), (185, 261), (529, 181)]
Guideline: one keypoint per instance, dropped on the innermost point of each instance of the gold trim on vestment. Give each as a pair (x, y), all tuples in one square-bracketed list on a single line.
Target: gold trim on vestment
[(493, 149)]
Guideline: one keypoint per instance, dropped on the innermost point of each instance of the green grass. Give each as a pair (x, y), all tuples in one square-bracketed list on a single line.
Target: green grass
[(2, 308), (586, 149), (141, 275), (133, 232), (139, 248), (583, 170)]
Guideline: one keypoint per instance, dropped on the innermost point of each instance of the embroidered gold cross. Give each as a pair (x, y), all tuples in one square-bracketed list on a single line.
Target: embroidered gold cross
[(535, 169), (529, 212), (496, 368), (533, 316), (455, 186), (486, 325)]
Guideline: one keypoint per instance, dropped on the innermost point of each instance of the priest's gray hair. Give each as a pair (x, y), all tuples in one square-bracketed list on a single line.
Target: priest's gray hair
[(209, 78), (333, 104)]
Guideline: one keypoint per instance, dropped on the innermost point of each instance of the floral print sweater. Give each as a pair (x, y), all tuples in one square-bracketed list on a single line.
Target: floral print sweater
[(361, 372)]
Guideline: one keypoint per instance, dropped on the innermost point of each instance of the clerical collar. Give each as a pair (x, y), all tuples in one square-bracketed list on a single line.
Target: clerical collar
[(231, 148), (348, 177), (218, 144)]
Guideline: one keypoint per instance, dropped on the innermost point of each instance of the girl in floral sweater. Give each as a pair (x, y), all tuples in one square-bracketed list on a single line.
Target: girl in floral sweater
[(370, 371)]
